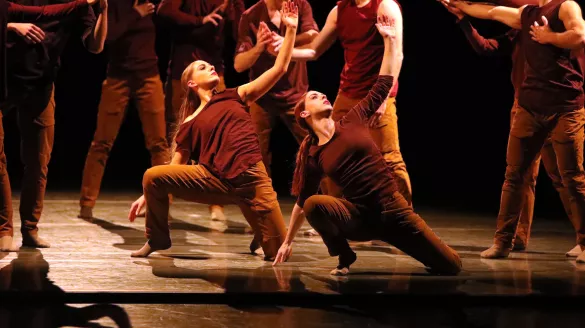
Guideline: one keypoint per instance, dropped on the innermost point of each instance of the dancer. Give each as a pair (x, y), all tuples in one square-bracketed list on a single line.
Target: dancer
[(372, 207), (352, 22), (31, 72), (251, 54), (193, 24), (132, 76), (218, 134), (550, 101), (508, 44)]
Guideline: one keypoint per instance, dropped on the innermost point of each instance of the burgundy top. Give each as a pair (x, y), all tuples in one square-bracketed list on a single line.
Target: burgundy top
[(504, 45), (222, 136), (295, 83), (351, 158), (130, 41), (554, 76), (363, 47), (10, 12), (192, 40)]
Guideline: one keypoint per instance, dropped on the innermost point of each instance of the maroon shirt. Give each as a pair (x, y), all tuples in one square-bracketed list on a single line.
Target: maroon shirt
[(295, 83), (504, 45), (363, 47), (10, 12), (222, 136), (554, 76), (351, 158), (130, 41), (192, 40)]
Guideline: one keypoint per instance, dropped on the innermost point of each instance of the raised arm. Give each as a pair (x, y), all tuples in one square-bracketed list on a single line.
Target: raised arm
[(251, 91), (390, 67), (20, 13), (323, 41), (506, 15), (572, 38), (308, 30), (94, 42)]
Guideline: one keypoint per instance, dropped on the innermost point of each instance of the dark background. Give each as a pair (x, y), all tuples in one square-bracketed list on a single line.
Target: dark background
[(453, 109)]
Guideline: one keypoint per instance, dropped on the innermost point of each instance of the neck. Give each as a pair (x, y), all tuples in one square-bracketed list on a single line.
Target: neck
[(361, 3), (274, 4), (543, 2), (324, 128), (204, 96)]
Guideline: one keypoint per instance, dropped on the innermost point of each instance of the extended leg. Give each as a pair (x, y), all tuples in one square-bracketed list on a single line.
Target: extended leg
[(6, 230)]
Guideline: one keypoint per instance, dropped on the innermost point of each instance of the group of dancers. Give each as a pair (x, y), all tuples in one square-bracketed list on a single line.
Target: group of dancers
[(210, 144)]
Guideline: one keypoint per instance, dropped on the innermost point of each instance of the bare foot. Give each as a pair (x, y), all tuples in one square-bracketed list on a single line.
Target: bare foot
[(311, 233), (495, 252), (216, 212), (576, 251), (6, 244), (345, 261), (147, 249), (85, 212), (32, 240)]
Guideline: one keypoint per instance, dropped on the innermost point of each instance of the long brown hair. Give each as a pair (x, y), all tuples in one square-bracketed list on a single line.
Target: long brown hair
[(301, 162), (190, 103)]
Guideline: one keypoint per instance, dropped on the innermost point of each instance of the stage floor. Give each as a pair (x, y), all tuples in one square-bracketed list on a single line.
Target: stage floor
[(209, 279)]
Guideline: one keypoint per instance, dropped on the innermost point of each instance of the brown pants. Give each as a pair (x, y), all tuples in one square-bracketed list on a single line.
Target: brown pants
[(264, 119), (252, 191), (549, 159), (338, 220), (528, 134), (116, 93), (36, 121), (385, 135)]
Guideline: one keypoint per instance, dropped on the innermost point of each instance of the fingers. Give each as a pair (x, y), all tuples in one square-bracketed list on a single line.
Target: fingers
[(278, 259), (35, 34), (132, 213)]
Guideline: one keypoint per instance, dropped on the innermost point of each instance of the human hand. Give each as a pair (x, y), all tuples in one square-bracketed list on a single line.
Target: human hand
[(29, 32)]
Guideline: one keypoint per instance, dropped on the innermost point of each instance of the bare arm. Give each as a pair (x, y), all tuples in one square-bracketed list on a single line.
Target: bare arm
[(393, 54), (500, 46), (94, 43), (180, 157), (248, 52), (323, 41), (251, 91), (572, 38), (507, 15)]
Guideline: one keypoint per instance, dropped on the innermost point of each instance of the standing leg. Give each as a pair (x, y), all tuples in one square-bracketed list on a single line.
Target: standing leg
[(385, 135), (263, 121), (527, 213), (567, 139), (404, 229), (260, 207), (36, 120), (216, 211), (6, 230), (115, 96), (190, 182), (527, 137)]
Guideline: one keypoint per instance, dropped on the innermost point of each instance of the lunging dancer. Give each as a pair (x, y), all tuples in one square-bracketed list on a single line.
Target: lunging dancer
[(508, 44), (217, 132), (550, 102), (132, 76), (32, 70), (372, 207), (353, 23), (198, 33)]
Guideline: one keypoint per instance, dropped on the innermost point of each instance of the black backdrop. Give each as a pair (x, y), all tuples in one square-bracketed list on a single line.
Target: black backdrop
[(453, 109)]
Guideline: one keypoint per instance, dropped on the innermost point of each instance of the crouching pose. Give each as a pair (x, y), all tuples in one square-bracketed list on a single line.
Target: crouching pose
[(217, 132), (373, 208)]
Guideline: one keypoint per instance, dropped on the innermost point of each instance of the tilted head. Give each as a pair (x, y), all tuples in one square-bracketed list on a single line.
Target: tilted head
[(312, 105), (199, 74)]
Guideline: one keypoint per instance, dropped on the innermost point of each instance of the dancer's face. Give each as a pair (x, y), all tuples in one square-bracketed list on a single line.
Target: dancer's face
[(203, 76), (316, 103)]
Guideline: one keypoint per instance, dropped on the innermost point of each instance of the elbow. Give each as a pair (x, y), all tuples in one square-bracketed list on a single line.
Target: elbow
[(95, 48), (239, 68)]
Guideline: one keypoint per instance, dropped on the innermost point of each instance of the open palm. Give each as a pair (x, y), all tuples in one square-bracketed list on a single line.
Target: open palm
[(290, 14), (386, 27)]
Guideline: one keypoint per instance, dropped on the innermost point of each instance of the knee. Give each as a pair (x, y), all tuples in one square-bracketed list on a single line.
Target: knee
[(102, 146), (394, 159), (514, 176), (572, 179), (152, 178), (315, 208)]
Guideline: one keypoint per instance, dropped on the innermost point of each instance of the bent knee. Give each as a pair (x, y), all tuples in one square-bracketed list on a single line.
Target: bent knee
[(315, 206), (153, 176)]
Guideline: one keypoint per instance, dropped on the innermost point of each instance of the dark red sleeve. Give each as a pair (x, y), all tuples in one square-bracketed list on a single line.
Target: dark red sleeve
[(184, 138), (501, 45), (246, 38), (313, 176), (371, 103), (170, 10), (306, 20), (20, 13)]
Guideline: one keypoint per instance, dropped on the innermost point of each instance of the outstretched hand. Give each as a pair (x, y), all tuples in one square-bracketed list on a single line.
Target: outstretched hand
[(136, 208), (284, 252), (144, 9), (290, 14), (453, 10), (386, 27), (541, 33)]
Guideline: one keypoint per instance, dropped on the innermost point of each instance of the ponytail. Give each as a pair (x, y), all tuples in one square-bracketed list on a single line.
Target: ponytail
[(303, 154), (190, 103)]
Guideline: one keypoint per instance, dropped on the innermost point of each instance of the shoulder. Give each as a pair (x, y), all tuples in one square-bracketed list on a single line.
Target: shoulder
[(569, 7), (389, 7)]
